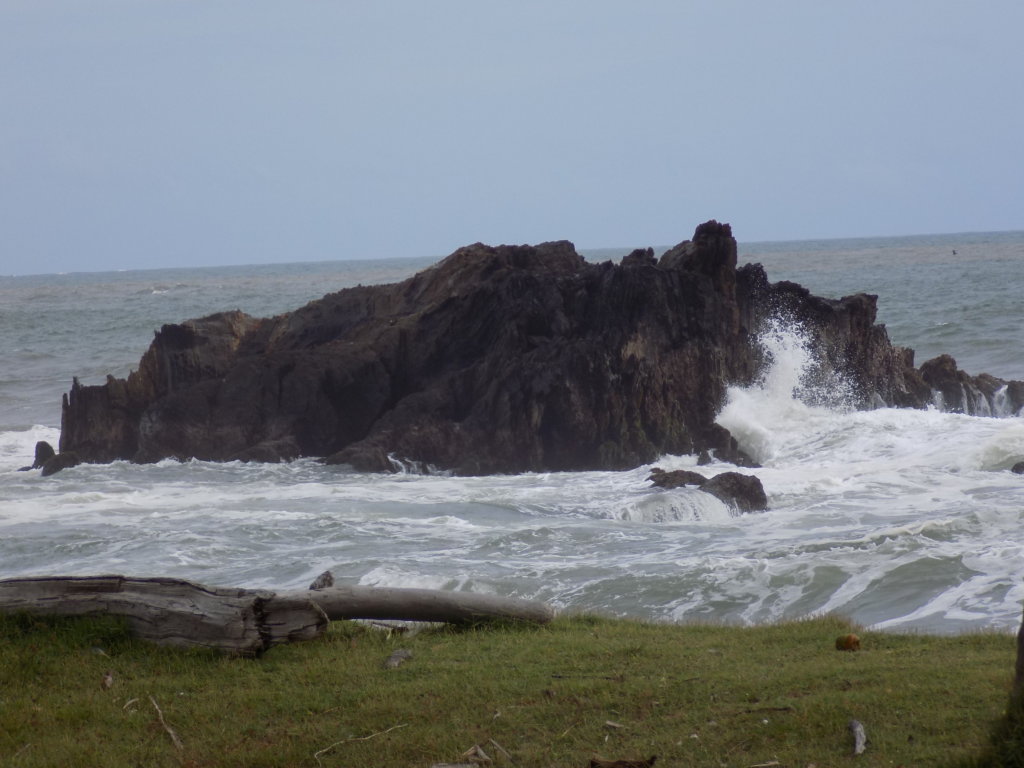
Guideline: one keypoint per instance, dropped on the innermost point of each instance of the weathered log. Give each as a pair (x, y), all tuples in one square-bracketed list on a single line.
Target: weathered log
[(1018, 678), (246, 621), (422, 605), (173, 611)]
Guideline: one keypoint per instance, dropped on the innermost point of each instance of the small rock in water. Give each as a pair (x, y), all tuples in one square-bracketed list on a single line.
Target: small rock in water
[(1018, 468), (677, 478), (324, 580), (44, 452), (61, 461), (745, 492)]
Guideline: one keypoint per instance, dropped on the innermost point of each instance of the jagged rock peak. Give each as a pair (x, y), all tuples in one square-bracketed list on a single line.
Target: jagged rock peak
[(506, 358)]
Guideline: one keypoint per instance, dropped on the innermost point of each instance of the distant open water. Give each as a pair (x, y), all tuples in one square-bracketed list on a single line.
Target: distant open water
[(900, 519)]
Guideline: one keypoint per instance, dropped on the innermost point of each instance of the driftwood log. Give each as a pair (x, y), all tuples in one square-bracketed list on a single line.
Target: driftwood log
[(245, 621), (173, 611), (422, 605)]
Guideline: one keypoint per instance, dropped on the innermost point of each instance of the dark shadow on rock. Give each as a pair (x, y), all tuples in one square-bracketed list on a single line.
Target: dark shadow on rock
[(63, 460), (269, 452)]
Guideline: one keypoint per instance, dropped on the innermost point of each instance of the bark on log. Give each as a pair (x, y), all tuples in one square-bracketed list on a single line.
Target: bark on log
[(173, 611), (1018, 678), (246, 621), (422, 605)]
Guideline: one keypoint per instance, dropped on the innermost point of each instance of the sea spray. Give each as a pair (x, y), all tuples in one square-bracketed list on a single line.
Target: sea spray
[(796, 386)]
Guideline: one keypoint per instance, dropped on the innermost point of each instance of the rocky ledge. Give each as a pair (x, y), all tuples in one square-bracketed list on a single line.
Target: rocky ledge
[(497, 359)]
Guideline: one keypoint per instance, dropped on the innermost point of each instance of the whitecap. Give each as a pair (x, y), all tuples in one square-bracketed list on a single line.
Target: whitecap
[(18, 447), (677, 505)]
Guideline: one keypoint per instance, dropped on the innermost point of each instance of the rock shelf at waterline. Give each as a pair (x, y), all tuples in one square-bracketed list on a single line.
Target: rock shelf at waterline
[(502, 360)]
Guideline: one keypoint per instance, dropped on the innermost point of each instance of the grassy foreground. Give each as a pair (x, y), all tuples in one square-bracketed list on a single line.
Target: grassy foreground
[(526, 696)]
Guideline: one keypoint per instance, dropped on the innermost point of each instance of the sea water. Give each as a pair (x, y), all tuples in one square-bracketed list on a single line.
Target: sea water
[(900, 519)]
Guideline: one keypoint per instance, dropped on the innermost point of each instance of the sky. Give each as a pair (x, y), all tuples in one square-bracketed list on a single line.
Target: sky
[(160, 133)]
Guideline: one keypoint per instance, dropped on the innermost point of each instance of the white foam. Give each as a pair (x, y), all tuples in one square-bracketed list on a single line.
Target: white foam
[(999, 447), (18, 447), (900, 518), (391, 576), (677, 505), (761, 417)]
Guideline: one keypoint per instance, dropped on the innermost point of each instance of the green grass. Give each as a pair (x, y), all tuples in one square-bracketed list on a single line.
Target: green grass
[(1006, 749), (549, 696)]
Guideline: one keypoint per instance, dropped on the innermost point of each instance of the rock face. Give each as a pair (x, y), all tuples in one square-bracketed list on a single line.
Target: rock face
[(496, 359)]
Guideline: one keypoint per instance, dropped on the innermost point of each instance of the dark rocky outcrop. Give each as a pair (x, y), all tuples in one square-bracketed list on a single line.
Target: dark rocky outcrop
[(677, 478), (639, 258), (496, 359), (1018, 468), (983, 395), (744, 492), (852, 349), (44, 452), (63, 460)]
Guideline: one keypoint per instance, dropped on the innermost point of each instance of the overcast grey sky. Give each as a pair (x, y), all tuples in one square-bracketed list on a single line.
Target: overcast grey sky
[(151, 133)]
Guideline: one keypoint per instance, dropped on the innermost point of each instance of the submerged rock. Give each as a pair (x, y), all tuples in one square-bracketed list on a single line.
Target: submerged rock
[(677, 478), (1018, 468), (744, 492), (323, 581), (61, 461), (496, 359)]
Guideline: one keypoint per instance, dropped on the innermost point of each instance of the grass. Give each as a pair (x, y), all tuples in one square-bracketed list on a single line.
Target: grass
[(1006, 749), (528, 696)]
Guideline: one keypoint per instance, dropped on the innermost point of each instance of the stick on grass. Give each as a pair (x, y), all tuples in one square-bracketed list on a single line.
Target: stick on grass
[(316, 755), (501, 749), (170, 731)]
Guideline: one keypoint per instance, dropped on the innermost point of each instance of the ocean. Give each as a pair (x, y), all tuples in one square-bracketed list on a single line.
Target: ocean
[(904, 520)]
